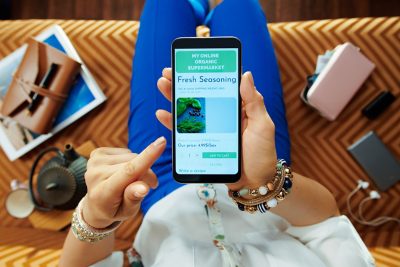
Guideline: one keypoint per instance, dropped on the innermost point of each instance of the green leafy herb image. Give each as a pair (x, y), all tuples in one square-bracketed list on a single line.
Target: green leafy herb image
[(190, 126), (184, 103)]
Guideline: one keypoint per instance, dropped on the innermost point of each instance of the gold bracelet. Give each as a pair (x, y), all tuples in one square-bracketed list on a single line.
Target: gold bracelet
[(282, 183), (277, 181), (84, 232)]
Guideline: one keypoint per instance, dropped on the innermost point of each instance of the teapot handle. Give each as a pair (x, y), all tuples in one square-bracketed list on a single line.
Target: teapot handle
[(32, 173)]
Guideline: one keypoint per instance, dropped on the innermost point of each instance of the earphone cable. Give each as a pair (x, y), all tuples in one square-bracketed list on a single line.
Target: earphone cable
[(362, 220), (377, 221)]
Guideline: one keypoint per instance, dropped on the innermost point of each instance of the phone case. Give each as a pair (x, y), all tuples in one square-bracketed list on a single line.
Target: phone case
[(338, 82)]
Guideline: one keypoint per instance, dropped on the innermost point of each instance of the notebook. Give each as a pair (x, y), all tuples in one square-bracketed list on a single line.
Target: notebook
[(84, 96)]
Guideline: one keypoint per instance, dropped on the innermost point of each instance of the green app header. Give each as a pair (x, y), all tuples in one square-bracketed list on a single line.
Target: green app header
[(205, 61)]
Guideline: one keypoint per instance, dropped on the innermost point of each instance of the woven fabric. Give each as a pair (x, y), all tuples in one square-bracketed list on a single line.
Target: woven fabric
[(318, 146), (34, 247)]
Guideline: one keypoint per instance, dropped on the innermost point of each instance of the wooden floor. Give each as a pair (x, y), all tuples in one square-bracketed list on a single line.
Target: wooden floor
[(276, 10)]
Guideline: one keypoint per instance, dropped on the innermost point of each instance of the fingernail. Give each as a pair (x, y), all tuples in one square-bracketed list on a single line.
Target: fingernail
[(161, 140), (250, 75), (140, 190)]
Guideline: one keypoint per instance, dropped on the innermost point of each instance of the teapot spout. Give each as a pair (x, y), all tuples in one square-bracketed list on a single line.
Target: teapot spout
[(70, 153)]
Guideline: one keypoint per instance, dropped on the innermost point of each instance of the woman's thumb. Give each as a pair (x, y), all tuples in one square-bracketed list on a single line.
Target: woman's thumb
[(253, 101)]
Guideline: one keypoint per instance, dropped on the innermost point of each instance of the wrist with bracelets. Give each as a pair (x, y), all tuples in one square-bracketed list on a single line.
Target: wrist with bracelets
[(266, 196), (84, 232)]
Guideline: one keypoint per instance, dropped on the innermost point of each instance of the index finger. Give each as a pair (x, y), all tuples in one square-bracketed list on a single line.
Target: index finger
[(134, 169)]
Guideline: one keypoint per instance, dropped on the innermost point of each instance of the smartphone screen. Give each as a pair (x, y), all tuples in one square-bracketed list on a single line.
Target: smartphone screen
[(206, 109)]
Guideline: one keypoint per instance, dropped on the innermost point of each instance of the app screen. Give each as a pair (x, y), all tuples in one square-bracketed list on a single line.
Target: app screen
[(206, 111)]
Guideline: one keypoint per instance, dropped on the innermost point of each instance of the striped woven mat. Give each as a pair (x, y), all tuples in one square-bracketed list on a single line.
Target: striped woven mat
[(318, 146)]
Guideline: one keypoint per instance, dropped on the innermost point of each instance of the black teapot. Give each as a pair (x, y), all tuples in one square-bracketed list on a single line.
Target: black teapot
[(60, 182)]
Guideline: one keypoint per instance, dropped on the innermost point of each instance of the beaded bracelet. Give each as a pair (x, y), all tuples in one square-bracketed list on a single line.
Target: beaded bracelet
[(266, 196)]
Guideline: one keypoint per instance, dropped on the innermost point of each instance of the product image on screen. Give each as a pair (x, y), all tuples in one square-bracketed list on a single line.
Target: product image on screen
[(206, 111)]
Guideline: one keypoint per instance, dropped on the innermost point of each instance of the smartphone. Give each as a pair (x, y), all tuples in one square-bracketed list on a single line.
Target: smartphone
[(378, 105), (377, 161), (206, 108)]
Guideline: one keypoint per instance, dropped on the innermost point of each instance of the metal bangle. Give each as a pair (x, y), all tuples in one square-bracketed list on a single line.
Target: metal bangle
[(84, 232)]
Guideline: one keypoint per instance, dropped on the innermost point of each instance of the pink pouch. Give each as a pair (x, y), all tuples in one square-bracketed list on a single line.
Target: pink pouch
[(338, 82)]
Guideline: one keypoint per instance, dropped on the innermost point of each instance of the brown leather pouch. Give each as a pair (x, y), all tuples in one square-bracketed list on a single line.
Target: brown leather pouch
[(25, 87)]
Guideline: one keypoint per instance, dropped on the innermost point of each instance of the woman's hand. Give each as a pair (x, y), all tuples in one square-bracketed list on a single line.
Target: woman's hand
[(258, 132), (117, 180)]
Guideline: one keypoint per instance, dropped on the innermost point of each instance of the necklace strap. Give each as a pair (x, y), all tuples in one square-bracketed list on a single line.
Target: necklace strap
[(231, 256)]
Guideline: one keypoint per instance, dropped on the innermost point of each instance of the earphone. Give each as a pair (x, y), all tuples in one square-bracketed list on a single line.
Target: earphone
[(373, 195)]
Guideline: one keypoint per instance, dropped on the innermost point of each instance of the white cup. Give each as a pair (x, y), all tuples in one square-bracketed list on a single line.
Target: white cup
[(18, 202)]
